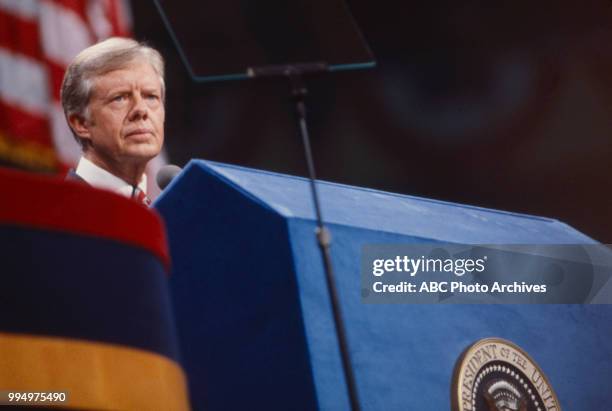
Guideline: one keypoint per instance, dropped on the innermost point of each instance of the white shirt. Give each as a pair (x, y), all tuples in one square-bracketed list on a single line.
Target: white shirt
[(100, 178)]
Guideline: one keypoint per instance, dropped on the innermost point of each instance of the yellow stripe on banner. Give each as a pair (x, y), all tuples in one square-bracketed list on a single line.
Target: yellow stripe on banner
[(96, 375), (28, 154)]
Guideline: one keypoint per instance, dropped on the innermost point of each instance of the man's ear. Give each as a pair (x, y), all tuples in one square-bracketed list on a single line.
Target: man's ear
[(80, 126)]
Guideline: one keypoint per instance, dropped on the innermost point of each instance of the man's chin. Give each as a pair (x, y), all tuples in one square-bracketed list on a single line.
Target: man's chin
[(141, 156), (142, 148)]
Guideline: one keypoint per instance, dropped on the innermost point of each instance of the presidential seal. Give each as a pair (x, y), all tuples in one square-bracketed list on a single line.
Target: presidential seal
[(497, 375)]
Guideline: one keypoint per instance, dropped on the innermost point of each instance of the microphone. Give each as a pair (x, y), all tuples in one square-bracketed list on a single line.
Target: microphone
[(166, 174)]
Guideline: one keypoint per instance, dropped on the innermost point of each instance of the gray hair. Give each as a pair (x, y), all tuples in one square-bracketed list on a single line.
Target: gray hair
[(111, 54)]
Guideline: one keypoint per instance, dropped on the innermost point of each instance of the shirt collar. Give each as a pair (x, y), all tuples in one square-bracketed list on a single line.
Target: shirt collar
[(100, 178)]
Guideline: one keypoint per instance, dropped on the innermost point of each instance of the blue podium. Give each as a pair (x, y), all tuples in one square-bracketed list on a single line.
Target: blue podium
[(254, 317)]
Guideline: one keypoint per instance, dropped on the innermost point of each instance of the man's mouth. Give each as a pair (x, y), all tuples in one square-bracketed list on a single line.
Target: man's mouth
[(139, 132)]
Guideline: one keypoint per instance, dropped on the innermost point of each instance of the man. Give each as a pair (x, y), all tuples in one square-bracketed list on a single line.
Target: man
[(113, 98)]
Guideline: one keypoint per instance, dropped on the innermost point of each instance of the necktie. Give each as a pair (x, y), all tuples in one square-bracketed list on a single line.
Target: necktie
[(141, 197)]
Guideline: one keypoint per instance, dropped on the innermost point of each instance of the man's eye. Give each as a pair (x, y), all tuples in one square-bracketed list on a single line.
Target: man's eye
[(120, 97), (152, 96)]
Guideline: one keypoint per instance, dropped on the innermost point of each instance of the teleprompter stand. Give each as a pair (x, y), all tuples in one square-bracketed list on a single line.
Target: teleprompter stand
[(295, 74)]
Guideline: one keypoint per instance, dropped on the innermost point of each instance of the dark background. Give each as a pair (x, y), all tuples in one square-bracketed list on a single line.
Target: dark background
[(505, 105)]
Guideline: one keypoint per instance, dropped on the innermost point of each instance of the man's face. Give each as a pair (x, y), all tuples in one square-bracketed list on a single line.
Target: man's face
[(125, 121)]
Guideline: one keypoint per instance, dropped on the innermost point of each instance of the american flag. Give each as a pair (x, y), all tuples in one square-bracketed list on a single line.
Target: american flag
[(38, 39)]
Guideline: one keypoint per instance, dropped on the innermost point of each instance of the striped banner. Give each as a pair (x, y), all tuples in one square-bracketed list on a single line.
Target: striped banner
[(84, 298)]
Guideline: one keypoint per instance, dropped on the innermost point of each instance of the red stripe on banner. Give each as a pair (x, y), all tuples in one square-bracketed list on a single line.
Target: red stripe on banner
[(116, 18), (56, 76), (51, 203), (21, 124), (20, 36)]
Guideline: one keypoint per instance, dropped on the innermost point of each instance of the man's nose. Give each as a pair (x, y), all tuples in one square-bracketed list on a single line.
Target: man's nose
[(139, 108)]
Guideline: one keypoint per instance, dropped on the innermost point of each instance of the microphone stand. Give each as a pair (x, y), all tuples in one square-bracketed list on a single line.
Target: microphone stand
[(295, 73)]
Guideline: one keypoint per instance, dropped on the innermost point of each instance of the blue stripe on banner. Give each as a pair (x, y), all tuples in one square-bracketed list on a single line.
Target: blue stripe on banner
[(58, 284)]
